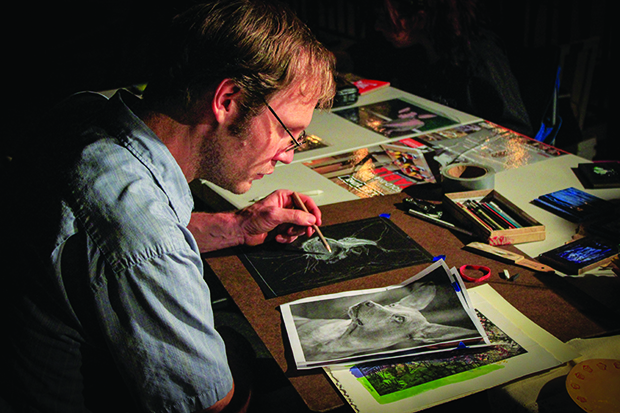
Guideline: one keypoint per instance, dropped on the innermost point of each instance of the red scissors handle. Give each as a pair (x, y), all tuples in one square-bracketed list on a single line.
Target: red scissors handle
[(486, 272)]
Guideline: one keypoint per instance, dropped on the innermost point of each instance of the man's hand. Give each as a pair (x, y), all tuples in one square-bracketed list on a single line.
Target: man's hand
[(275, 215)]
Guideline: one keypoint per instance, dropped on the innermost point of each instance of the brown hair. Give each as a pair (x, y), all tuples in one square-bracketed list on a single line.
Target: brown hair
[(261, 45)]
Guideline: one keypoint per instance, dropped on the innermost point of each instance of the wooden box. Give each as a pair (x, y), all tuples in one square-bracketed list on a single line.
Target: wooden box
[(492, 217)]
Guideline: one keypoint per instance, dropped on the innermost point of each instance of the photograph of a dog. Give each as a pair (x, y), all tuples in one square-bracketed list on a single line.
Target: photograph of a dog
[(426, 313)]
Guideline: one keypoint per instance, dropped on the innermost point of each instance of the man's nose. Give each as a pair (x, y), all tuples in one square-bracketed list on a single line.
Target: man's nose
[(285, 157)]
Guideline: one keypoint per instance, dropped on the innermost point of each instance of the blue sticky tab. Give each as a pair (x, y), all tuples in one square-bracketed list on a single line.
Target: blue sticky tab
[(439, 257), (456, 286), (356, 372), (388, 216)]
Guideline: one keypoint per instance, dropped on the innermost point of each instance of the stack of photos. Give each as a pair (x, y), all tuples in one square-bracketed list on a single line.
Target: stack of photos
[(574, 205), (379, 170), (413, 383), (395, 118), (580, 255), (428, 313), (487, 143)]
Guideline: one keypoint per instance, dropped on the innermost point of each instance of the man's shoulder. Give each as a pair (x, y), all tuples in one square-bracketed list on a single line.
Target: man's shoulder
[(121, 206)]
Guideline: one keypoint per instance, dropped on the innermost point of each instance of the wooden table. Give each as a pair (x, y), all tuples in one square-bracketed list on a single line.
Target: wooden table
[(542, 298)]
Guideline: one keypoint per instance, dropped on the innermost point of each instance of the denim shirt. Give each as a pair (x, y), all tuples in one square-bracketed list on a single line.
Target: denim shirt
[(125, 278)]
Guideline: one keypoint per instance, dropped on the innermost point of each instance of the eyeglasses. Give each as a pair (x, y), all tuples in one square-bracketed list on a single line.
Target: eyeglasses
[(295, 143)]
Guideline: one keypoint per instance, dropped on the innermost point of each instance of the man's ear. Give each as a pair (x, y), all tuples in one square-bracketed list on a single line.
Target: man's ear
[(225, 101)]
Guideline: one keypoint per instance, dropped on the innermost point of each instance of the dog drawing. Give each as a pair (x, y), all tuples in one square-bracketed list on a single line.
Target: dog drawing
[(372, 326)]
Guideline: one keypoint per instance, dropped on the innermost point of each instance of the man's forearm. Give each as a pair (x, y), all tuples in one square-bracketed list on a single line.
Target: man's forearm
[(215, 231), (252, 225)]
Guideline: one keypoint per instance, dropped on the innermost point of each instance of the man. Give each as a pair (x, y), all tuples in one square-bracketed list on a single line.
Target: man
[(444, 54), (109, 308)]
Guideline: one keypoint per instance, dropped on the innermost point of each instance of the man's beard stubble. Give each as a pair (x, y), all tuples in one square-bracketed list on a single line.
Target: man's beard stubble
[(213, 165)]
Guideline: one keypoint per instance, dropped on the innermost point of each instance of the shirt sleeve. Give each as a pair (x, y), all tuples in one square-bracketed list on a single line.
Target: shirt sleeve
[(150, 303), (158, 323)]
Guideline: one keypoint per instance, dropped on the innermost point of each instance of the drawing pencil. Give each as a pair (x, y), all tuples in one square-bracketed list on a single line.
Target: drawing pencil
[(506, 215), (299, 203), (438, 221), (477, 210), (496, 216), (474, 216), (491, 215), (313, 192)]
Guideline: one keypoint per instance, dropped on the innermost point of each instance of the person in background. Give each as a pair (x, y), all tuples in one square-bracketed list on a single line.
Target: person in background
[(439, 50), (106, 303)]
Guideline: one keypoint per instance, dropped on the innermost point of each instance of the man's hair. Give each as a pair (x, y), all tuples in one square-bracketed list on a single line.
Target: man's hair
[(261, 45)]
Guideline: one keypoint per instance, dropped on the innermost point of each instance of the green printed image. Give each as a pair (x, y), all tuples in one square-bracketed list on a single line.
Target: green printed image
[(406, 377)]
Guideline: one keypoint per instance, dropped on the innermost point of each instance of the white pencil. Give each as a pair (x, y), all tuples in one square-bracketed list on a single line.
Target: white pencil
[(313, 192), (440, 222)]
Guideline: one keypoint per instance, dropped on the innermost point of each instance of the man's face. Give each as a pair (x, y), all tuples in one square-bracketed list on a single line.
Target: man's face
[(233, 162)]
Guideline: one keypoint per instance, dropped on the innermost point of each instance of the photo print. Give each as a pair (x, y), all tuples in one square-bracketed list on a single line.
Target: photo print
[(395, 118), (426, 314)]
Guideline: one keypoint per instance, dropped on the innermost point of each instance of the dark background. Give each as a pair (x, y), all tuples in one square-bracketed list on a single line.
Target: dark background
[(55, 49)]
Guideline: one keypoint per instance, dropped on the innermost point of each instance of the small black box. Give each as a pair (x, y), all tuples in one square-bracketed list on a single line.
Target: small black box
[(346, 92)]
